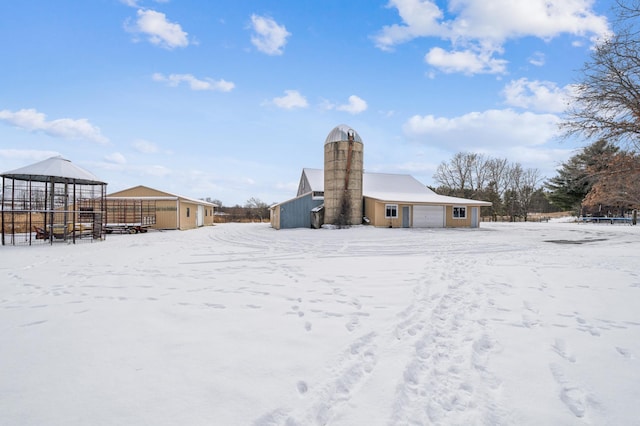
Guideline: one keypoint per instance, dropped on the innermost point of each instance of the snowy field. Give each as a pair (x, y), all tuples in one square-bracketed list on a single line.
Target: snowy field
[(239, 324)]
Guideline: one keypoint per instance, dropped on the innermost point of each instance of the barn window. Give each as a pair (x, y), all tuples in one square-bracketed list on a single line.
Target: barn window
[(459, 212), (391, 211), (188, 212)]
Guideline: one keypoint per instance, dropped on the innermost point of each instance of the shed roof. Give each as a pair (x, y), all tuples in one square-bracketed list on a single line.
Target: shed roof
[(157, 194), (394, 187), (58, 169)]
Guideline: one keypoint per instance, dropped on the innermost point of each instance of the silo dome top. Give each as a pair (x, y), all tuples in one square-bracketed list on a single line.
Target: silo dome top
[(341, 133)]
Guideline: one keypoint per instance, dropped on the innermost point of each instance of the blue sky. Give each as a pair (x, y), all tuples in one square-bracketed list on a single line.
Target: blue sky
[(231, 99)]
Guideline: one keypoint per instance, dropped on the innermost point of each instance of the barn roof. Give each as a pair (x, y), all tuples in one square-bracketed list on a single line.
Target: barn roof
[(393, 187), (58, 169), (156, 194)]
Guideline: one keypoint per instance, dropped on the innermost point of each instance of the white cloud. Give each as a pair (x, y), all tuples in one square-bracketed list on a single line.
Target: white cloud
[(291, 99), (194, 83), (466, 62), (159, 30), (67, 128), (116, 158), (420, 19), (488, 131), (356, 105), (145, 146), (543, 96), (537, 59), (269, 37), (479, 28)]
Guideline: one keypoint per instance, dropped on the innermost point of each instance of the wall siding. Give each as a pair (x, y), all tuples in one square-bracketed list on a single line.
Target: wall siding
[(167, 216), (296, 213), (452, 222)]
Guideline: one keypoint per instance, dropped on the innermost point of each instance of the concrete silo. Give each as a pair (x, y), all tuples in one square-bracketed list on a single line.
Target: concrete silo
[(343, 168)]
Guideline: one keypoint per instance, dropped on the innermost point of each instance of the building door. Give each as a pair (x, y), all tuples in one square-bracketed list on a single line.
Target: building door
[(405, 216), (474, 217), (428, 216), (200, 216)]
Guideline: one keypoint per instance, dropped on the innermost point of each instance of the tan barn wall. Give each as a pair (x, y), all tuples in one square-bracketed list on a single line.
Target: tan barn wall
[(166, 214), (451, 222), (275, 217), (375, 210), (208, 215), (188, 215)]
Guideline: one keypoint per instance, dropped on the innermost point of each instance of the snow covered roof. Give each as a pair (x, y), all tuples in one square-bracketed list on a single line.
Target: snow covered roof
[(315, 177), (406, 188), (168, 195), (341, 133), (57, 168), (393, 187)]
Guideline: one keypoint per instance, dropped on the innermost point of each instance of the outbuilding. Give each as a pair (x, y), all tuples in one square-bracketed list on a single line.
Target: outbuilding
[(51, 200), (163, 210), (344, 194)]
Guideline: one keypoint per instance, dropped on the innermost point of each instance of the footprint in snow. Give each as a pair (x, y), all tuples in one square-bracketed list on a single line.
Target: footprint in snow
[(560, 348), (624, 352), (302, 387)]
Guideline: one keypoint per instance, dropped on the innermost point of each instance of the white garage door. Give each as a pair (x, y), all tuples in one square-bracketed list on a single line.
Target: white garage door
[(428, 216)]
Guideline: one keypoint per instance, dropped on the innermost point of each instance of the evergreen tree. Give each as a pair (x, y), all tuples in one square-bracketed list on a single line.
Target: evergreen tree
[(576, 177)]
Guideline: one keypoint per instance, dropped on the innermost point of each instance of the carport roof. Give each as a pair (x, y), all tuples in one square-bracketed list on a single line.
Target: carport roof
[(56, 169)]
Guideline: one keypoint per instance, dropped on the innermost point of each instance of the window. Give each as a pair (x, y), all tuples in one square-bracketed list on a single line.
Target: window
[(188, 212), (390, 211), (459, 212)]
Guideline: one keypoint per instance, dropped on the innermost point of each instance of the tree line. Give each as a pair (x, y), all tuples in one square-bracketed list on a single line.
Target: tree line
[(603, 178), (514, 191), (253, 210)]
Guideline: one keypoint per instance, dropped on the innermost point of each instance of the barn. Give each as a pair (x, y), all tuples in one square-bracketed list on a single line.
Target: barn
[(156, 209), (343, 194)]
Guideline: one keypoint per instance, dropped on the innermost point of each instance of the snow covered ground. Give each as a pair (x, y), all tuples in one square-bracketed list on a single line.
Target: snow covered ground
[(239, 324)]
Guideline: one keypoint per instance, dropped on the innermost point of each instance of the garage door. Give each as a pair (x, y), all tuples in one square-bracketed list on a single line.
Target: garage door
[(428, 216)]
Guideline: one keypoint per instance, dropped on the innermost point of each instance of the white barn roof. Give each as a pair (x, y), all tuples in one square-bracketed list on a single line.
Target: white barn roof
[(393, 187), (57, 168)]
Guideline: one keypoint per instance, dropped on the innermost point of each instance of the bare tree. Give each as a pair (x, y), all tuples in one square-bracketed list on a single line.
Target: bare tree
[(457, 174), (606, 102), (257, 207), (526, 183)]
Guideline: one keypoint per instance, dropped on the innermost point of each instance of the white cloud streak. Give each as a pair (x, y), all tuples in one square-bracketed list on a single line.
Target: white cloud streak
[(159, 30), (269, 37), (66, 128), (541, 96), (116, 158), (292, 99), (356, 105), (488, 131), (194, 83), (144, 146)]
